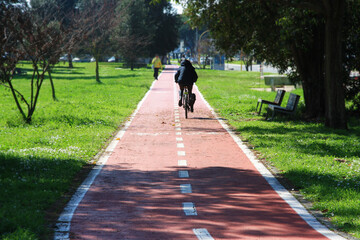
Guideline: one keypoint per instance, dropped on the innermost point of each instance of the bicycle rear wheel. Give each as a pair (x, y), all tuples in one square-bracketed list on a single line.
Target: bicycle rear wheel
[(186, 105)]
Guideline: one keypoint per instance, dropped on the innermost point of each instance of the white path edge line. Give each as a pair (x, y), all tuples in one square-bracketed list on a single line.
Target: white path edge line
[(274, 183), (64, 221)]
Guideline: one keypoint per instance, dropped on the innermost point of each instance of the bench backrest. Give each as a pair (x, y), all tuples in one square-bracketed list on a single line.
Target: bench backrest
[(279, 97), (292, 102)]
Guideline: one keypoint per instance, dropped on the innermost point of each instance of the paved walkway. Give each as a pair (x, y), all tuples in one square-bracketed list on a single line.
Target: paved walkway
[(175, 178)]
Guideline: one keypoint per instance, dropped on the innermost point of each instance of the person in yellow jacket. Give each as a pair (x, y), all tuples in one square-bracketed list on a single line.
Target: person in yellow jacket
[(156, 62)]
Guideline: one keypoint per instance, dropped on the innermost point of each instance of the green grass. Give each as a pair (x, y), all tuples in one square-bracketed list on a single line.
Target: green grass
[(39, 161), (324, 164)]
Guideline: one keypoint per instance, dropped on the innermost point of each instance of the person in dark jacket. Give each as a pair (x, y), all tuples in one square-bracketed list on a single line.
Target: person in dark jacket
[(186, 76)]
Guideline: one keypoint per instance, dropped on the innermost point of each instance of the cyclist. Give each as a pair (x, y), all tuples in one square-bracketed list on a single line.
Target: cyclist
[(186, 76)]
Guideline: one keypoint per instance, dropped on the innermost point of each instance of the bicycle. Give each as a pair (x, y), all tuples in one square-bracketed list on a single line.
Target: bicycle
[(186, 101)]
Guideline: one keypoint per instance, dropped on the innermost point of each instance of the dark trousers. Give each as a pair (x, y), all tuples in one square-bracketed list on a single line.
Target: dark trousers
[(190, 87), (156, 73)]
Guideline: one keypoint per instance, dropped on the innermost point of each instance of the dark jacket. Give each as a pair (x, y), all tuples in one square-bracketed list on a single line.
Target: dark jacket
[(186, 74)]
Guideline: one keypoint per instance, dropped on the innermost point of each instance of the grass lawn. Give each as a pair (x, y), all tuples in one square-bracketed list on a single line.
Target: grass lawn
[(322, 163), (38, 162)]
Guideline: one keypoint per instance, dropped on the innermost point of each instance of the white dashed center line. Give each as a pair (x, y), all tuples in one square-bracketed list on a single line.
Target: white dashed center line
[(181, 153), (180, 145), (183, 174), (189, 209), (182, 163), (202, 234), (185, 188)]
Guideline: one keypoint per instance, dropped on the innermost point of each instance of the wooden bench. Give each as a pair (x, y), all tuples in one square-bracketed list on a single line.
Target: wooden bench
[(289, 109), (278, 99)]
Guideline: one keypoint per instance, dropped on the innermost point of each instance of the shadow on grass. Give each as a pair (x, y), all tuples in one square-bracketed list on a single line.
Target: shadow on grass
[(309, 139), (29, 186)]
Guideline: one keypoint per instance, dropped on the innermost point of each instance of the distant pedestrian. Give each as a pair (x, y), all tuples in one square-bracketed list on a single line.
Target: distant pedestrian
[(186, 76), (156, 62)]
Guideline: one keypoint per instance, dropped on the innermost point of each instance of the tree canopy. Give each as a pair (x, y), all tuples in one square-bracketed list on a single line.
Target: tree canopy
[(316, 39)]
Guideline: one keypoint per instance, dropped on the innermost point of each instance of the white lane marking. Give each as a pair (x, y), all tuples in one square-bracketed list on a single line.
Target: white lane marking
[(180, 145), (178, 129), (64, 221), (283, 193), (202, 234), (189, 209), (179, 139), (178, 125), (178, 133), (181, 153), (183, 174), (182, 163), (205, 133), (150, 134), (177, 120), (185, 188)]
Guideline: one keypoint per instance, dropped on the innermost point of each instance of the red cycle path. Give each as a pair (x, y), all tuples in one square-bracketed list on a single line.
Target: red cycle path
[(137, 194)]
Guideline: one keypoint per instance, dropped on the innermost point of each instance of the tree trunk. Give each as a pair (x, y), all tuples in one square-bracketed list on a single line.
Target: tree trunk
[(16, 99), (70, 60), (97, 70), (52, 85), (310, 66), (335, 114)]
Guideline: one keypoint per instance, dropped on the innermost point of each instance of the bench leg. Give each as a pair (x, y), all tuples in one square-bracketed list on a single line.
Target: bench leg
[(260, 108), (257, 106)]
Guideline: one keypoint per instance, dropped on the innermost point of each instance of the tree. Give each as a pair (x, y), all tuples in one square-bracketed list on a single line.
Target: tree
[(61, 10), (187, 34), (147, 29), (24, 36), (164, 24), (132, 35), (93, 28), (288, 33)]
